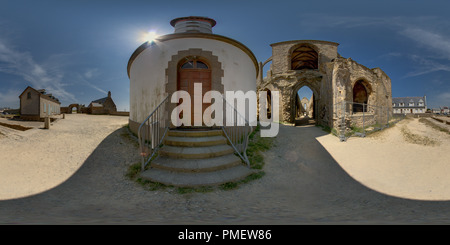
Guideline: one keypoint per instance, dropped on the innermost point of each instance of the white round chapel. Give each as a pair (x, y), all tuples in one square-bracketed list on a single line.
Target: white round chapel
[(160, 67)]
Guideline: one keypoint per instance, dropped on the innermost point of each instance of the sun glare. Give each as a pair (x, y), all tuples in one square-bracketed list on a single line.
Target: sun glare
[(148, 36)]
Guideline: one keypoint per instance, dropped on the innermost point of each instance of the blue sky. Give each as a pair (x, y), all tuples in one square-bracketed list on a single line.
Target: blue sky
[(78, 49)]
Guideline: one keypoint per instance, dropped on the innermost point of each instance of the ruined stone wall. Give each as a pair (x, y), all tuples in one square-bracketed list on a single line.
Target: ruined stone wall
[(346, 73), (332, 83)]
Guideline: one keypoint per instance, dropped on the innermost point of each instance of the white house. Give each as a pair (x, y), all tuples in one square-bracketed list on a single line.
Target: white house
[(409, 105)]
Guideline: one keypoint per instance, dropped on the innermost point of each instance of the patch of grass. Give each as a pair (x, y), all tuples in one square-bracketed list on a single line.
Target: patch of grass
[(329, 130), (256, 146), (417, 139), (199, 189), (133, 171), (229, 186), (434, 126), (133, 174)]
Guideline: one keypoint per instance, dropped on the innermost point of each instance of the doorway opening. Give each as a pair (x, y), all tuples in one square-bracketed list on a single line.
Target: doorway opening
[(193, 70), (304, 107)]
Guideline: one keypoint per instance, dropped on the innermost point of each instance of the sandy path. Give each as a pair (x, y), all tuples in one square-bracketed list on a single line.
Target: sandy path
[(303, 185)]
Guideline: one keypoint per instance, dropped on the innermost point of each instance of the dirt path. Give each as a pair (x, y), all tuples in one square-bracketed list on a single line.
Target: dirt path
[(303, 185)]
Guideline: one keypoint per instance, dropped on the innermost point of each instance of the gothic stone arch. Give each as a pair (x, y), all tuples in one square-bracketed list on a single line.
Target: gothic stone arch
[(71, 106), (315, 88)]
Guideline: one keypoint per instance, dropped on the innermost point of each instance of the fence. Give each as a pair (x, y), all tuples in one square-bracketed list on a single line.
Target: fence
[(359, 119)]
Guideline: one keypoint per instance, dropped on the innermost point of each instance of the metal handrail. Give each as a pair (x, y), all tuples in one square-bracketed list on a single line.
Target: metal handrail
[(152, 131), (154, 128), (238, 135)]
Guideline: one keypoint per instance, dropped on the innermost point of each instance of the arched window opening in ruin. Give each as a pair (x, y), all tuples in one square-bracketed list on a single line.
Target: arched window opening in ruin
[(304, 106), (360, 97), (304, 57)]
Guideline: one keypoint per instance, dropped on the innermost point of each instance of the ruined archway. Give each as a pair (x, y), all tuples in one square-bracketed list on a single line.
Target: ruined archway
[(71, 106), (299, 114)]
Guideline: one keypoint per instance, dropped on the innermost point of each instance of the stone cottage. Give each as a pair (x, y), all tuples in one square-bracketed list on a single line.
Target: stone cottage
[(35, 104), (104, 105)]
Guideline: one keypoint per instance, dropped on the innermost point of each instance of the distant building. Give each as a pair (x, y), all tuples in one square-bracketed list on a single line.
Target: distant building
[(103, 106), (409, 105), (37, 104), (445, 110)]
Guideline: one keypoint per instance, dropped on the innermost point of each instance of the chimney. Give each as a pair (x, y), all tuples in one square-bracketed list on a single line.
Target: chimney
[(193, 24), (109, 94)]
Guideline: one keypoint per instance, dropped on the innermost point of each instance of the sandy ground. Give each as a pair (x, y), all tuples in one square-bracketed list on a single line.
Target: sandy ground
[(74, 174), (392, 164), (38, 159)]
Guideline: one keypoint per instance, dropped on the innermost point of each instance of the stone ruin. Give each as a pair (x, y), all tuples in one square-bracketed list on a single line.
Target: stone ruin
[(332, 79)]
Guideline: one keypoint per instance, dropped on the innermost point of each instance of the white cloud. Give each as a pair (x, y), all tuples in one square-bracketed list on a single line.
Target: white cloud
[(90, 73), (438, 43), (39, 76), (425, 65)]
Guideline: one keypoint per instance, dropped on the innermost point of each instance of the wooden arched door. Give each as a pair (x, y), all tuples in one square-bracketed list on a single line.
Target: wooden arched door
[(194, 70)]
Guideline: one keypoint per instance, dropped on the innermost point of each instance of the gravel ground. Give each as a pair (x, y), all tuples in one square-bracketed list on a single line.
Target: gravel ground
[(303, 185)]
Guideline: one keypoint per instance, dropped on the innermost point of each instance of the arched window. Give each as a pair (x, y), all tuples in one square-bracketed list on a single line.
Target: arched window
[(360, 97), (304, 57), (194, 64)]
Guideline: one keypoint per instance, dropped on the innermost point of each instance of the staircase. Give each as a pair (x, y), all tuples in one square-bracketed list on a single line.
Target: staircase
[(196, 158)]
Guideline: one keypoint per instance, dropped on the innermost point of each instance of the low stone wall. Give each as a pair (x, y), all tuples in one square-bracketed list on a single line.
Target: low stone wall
[(30, 117), (121, 113), (359, 120), (445, 121)]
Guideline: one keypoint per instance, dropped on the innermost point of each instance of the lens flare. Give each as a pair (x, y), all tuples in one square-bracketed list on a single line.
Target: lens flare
[(148, 36)]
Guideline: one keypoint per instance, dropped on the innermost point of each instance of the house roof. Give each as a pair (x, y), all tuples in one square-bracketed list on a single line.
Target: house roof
[(100, 101), (94, 104), (407, 100), (42, 94)]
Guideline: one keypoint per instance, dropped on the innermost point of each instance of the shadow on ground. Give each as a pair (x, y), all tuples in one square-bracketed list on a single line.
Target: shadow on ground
[(303, 185)]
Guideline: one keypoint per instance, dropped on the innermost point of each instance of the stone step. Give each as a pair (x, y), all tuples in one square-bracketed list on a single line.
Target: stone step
[(195, 152), (195, 141), (183, 179), (196, 165), (194, 133)]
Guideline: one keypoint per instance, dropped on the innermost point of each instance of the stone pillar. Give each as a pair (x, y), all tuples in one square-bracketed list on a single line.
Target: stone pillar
[(47, 122)]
